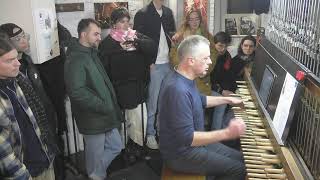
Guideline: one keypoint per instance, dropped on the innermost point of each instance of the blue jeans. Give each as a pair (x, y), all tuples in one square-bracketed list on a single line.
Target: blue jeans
[(157, 74), (216, 160), (218, 114), (100, 150)]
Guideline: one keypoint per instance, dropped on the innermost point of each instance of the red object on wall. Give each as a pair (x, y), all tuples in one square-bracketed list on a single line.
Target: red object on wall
[(300, 75)]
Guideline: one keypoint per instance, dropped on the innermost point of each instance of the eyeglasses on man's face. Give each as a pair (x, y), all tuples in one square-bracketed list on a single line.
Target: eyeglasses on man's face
[(20, 36), (203, 60)]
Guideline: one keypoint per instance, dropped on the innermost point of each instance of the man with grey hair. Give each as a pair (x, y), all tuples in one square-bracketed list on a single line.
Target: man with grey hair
[(184, 145)]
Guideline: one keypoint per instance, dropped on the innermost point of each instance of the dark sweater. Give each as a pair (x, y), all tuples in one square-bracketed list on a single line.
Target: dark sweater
[(223, 77), (226, 72), (238, 64), (180, 114), (128, 70)]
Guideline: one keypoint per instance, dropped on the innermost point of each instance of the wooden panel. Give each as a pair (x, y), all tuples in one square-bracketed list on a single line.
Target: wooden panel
[(168, 174), (70, 7), (296, 174)]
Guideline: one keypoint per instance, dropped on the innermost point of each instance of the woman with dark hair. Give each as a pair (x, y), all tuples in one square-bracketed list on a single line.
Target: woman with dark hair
[(194, 25), (227, 72), (246, 52), (126, 56)]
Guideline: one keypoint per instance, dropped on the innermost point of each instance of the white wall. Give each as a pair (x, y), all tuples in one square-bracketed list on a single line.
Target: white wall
[(8, 14), (216, 11), (71, 19), (220, 8), (173, 5)]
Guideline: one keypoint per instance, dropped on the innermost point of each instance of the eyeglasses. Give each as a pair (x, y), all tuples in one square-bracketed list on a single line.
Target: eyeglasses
[(194, 19), (204, 60), (22, 35)]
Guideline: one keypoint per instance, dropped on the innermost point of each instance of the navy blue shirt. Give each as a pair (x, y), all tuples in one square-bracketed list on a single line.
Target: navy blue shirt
[(181, 112)]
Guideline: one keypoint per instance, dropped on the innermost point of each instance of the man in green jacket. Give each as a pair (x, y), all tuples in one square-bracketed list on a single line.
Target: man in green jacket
[(93, 100)]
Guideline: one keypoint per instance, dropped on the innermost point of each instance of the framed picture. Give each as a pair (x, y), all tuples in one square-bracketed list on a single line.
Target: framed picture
[(103, 12), (247, 25), (231, 26), (241, 24)]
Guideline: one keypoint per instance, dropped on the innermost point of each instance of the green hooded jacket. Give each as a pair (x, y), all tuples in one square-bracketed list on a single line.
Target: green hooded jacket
[(93, 100)]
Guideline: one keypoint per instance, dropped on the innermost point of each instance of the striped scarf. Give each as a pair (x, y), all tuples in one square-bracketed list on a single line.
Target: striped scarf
[(38, 110)]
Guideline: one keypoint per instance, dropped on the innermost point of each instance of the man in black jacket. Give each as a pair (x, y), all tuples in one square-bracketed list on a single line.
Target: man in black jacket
[(157, 22)]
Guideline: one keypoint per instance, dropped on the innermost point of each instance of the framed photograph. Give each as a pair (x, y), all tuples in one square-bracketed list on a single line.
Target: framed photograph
[(241, 24), (231, 26), (248, 25), (103, 12)]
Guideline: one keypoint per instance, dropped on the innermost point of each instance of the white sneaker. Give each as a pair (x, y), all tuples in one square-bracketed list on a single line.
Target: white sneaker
[(152, 143)]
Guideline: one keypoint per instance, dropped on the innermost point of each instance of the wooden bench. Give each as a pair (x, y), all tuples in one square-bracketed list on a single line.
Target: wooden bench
[(169, 174)]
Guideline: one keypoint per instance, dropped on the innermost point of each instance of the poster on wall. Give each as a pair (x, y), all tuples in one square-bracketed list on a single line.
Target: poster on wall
[(103, 12), (197, 4), (241, 24), (46, 34)]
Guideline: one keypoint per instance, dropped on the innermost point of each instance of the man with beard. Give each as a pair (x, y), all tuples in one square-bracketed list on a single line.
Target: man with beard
[(93, 100)]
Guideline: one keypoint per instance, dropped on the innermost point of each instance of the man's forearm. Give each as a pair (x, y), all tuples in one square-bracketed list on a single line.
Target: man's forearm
[(205, 138), (217, 100)]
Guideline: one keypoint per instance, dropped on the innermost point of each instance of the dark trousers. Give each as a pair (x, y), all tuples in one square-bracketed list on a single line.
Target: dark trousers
[(216, 160)]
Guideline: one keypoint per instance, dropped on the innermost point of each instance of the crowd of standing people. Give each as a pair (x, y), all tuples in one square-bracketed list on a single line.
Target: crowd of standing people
[(176, 73)]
